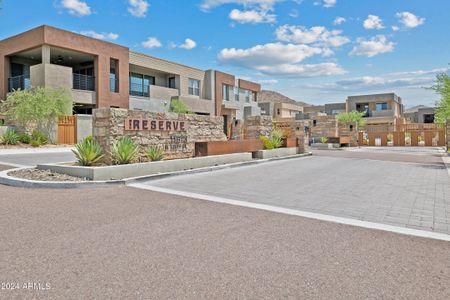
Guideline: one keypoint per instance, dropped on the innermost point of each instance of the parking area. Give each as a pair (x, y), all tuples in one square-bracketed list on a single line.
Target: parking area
[(410, 190)]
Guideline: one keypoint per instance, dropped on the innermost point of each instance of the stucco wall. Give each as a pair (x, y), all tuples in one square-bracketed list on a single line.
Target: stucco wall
[(84, 126), (109, 127)]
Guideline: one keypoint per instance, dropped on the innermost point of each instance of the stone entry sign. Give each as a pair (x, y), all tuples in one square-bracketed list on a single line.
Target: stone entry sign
[(175, 133)]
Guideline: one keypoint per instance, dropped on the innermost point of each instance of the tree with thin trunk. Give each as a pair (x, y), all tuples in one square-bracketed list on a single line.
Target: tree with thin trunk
[(442, 88), (37, 108)]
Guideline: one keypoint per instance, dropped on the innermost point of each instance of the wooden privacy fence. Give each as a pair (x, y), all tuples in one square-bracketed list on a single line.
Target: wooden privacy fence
[(67, 130), (414, 134)]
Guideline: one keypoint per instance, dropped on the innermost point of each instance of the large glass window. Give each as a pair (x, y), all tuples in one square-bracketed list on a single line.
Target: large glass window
[(382, 106), (194, 87), (113, 77), (225, 92), (140, 84), (236, 93), (247, 96), (172, 83)]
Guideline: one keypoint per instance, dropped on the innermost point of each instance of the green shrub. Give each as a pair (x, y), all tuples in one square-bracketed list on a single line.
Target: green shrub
[(35, 143), (10, 137), (24, 138), (39, 137), (125, 151), (178, 106), (88, 152), (266, 143), (277, 138), (324, 140), (154, 153)]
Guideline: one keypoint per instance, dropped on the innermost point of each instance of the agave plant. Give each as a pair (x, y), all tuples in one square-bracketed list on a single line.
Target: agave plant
[(154, 153), (277, 138), (88, 152), (10, 137), (125, 151)]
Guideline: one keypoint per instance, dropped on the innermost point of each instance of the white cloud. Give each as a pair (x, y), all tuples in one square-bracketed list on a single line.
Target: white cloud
[(252, 16), (138, 8), (304, 70), (76, 7), (395, 28), (279, 59), (317, 34), (339, 21), (188, 44), (101, 36), (329, 3), (410, 20), (373, 22), (268, 81), (264, 4), (151, 42), (294, 13), (376, 45)]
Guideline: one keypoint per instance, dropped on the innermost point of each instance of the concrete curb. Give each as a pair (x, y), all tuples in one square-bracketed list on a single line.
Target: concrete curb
[(5, 179), (35, 150)]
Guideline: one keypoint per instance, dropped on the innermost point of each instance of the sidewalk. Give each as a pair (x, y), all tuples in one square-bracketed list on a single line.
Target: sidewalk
[(13, 151)]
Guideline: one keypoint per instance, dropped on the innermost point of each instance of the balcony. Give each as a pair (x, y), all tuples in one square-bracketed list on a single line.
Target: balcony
[(382, 113), (155, 92), (83, 82), (21, 82)]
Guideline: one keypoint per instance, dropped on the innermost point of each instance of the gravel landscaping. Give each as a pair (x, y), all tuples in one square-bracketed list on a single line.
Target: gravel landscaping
[(43, 175)]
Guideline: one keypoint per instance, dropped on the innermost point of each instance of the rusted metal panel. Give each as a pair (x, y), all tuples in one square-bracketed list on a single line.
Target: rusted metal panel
[(227, 147)]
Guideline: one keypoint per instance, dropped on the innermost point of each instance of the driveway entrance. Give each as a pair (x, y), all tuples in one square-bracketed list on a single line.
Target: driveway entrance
[(409, 190)]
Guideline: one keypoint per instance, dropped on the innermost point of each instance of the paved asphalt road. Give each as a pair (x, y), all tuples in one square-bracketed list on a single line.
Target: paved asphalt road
[(125, 243), (406, 190), (32, 159)]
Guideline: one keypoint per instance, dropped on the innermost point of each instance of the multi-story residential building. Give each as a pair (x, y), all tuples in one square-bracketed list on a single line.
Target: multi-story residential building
[(377, 108), (277, 105), (102, 74), (420, 114)]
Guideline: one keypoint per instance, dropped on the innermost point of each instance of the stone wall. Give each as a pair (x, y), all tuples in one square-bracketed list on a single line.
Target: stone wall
[(109, 127), (257, 126)]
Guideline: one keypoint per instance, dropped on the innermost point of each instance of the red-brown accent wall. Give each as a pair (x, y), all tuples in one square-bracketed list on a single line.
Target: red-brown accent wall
[(102, 51), (248, 85), (220, 79)]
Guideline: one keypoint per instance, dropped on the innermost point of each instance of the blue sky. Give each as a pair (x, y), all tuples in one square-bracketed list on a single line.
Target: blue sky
[(316, 51)]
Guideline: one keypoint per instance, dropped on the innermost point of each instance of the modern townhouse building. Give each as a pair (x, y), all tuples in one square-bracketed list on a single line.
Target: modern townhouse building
[(102, 74), (420, 114), (377, 108)]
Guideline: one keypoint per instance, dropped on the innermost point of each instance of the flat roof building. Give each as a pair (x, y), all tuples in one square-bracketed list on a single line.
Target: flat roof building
[(102, 74)]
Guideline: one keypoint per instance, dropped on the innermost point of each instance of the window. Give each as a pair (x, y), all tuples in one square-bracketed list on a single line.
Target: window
[(382, 106), (140, 84), (225, 92), (314, 123), (247, 96), (236, 93), (278, 111), (194, 87), (113, 76), (172, 82)]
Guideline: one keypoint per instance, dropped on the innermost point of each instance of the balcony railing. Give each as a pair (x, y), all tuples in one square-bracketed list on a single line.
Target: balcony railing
[(21, 82), (83, 82), (139, 90)]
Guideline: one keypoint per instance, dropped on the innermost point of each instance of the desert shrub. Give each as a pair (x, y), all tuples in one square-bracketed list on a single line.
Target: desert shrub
[(24, 138), (324, 140), (178, 106), (277, 138), (267, 143), (10, 137), (154, 153), (88, 152), (39, 137), (125, 151), (275, 141), (35, 143)]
